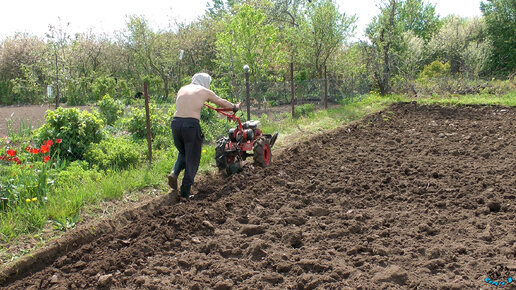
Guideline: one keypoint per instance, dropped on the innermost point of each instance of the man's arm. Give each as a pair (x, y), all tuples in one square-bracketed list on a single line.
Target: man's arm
[(212, 97)]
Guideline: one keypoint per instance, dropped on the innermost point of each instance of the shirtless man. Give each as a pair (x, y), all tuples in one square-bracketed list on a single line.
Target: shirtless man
[(187, 130)]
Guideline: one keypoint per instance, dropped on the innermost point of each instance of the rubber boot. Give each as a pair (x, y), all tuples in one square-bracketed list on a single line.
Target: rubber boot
[(185, 191), (172, 181)]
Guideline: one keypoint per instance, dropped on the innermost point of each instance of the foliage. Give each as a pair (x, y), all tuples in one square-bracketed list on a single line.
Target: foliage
[(500, 17), (103, 86), (303, 110), (58, 40), (463, 44), (247, 40), (213, 126), (27, 174), (137, 124), (325, 30), (76, 172), (110, 110), (77, 128), (419, 18), (157, 52), (113, 153), (392, 33), (435, 69)]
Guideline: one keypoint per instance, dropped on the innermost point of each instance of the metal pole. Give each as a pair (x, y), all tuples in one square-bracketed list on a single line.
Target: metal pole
[(325, 88), (246, 71), (57, 82), (147, 118), (292, 92)]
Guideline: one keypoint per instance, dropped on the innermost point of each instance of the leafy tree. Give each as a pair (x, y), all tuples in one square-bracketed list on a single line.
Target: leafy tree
[(157, 52), (22, 69), (462, 43), (247, 39), (384, 33), (399, 23), (58, 39), (500, 16), (219, 8), (325, 31), (420, 18)]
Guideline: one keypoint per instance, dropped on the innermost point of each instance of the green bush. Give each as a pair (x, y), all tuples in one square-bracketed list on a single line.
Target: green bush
[(77, 129), (110, 109), (103, 86), (137, 124), (435, 69), (76, 92), (113, 153), (303, 110), (212, 126), (75, 173)]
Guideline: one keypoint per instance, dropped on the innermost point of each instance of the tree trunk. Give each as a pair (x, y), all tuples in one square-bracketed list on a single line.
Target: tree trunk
[(165, 87)]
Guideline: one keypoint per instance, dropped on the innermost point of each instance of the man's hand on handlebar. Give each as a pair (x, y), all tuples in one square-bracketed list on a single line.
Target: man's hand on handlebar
[(236, 107)]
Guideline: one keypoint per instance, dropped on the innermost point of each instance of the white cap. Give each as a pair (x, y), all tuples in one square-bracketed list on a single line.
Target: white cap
[(202, 79)]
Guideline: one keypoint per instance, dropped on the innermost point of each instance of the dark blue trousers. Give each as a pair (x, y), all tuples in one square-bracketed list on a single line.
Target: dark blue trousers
[(188, 139)]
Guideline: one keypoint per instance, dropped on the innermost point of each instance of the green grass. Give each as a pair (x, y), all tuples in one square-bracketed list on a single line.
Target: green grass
[(508, 99), (79, 188)]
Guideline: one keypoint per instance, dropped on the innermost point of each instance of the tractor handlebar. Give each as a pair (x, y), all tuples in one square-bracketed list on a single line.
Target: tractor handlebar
[(230, 116)]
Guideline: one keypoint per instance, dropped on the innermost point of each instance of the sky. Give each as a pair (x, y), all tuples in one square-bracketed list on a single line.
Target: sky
[(108, 16)]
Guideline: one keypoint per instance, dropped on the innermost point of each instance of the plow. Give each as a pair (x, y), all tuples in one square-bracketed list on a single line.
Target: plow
[(242, 141)]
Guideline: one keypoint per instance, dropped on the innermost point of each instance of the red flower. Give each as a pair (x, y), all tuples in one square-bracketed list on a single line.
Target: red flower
[(28, 149), (34, 150), (59, 140), (2, 157), (46, 159), (15, 159), (11, 152), (49, 143), (44, 148)]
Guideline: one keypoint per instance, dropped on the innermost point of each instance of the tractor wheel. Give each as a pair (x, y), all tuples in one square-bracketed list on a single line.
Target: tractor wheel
[(234, 168), (262, 152), (220, 155)]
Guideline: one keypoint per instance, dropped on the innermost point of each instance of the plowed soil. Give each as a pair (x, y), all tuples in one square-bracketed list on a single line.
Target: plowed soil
[(412, 197)]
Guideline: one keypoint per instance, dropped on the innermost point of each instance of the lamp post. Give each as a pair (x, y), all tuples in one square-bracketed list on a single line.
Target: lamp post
[(246, 71)]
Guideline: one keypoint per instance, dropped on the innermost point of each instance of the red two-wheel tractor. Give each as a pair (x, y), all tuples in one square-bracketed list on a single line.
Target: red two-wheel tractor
[(233, 149)]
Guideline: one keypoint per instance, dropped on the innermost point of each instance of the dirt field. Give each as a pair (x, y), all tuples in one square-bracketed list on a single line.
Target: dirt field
[(33, 116), (413, 197)]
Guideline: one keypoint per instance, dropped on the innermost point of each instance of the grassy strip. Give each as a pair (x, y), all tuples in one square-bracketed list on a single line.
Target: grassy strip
[(67, 200), (508, 99)]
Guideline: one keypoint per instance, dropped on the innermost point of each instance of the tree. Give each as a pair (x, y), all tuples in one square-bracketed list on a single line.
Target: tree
[(58, 39), (157, 52), (463, 43), (384, 33), (390, 38), (22, 69), (420, 18), (500, 17), (247, 39), (325, 30)]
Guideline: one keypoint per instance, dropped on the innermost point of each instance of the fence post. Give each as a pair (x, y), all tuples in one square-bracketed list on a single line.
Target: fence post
[(147, 119), (246, 72), (325, 89), (292, 92)]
